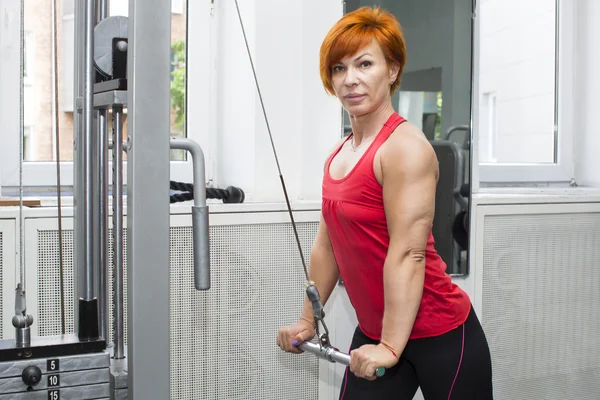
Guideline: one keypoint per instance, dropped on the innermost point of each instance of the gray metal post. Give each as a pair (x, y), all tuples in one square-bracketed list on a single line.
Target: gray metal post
[(148, 176), (87, 310), (101, 204)]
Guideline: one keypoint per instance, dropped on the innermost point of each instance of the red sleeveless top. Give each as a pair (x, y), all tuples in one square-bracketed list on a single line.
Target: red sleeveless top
[(353, 211)]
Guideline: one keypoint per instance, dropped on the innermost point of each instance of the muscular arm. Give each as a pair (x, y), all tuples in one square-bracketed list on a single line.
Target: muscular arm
[(409, 177)]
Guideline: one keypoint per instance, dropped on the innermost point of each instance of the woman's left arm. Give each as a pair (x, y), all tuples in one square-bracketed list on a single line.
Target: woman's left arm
[(409, 177)]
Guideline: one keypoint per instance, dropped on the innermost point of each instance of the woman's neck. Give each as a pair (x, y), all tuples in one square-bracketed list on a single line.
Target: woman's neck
[(369, 125)]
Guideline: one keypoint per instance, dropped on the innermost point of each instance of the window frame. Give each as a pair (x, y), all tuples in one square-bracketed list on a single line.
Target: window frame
[(561, 171), (43, 173), (29, 60), (27, 135)]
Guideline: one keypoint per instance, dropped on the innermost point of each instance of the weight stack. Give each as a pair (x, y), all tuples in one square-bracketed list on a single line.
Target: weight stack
[(75, 377), (118, 379)]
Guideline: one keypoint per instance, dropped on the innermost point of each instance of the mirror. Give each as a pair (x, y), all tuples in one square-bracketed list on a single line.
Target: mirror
[(435, 96)]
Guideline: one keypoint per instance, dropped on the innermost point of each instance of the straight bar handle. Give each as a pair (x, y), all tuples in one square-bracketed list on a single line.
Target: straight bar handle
[(332, 354)]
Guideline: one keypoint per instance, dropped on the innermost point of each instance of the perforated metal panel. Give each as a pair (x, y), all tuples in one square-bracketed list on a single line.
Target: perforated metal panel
[(223, 340), (110, 287), (541, 302), (48, 285), (49, 282)]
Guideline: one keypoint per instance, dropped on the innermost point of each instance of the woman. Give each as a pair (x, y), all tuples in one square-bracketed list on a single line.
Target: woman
[(377, 213)]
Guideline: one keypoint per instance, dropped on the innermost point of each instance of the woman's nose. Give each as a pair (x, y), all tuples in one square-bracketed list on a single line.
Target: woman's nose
[(351, 78)]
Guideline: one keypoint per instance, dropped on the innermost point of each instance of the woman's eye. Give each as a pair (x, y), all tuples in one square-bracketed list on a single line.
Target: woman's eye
[(365, 64), (338, 68)]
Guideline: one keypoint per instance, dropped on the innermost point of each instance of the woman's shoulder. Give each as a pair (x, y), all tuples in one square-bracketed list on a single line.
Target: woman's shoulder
[(408, 144)]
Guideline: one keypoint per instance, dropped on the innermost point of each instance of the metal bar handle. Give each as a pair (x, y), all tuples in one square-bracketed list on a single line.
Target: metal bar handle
[(200, 225), (332, 354)]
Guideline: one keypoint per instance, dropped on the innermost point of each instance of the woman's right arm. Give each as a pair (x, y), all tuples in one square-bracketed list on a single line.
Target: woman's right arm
[(324, 274)]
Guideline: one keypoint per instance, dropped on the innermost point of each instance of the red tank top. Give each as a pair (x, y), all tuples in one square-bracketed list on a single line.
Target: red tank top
[(354, 214)]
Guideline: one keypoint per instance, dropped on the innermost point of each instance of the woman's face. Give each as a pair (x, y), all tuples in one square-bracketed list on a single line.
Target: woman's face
[(362, 81)]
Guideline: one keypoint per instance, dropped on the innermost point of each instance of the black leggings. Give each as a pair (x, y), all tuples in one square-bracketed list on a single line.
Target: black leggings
[(456, 365)]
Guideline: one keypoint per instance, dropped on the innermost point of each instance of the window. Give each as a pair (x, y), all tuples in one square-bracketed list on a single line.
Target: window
[(524, 125), (39, 100), (177, 6)]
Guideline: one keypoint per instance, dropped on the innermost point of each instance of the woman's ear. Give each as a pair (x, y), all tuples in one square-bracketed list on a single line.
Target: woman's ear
[(394, 70)]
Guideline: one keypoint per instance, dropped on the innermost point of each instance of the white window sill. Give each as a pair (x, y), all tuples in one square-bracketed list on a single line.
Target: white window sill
[(521, 195)]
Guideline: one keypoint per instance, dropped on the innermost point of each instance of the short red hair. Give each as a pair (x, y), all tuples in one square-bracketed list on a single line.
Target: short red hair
[(357, 30)]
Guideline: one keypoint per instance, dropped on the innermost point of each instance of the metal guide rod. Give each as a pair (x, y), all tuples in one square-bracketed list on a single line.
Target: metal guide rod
[(21, 320), (86, 309), (78, 153), (102, 241), (21, 147), (77, 158), (88, 118), (101, 207), (102, 7), (117, 193)]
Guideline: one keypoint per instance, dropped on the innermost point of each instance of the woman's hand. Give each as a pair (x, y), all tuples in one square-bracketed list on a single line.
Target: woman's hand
[(365, 360), (290, 336)]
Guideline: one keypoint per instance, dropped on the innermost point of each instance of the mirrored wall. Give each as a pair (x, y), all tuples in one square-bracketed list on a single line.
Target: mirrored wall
[(435, 96)]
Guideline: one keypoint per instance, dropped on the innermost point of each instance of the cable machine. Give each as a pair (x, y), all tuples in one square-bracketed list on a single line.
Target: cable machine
[(112, 76), (121, 64)]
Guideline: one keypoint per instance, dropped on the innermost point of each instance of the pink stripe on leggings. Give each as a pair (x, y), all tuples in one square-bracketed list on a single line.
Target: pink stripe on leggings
[(345, 382), (462, 350), (346, 376)]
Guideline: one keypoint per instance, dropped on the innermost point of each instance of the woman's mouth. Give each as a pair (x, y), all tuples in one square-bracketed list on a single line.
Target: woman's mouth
[(354, 97)]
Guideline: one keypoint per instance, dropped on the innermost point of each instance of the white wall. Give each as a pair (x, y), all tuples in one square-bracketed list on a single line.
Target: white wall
[(284, 38), (587, 87)]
